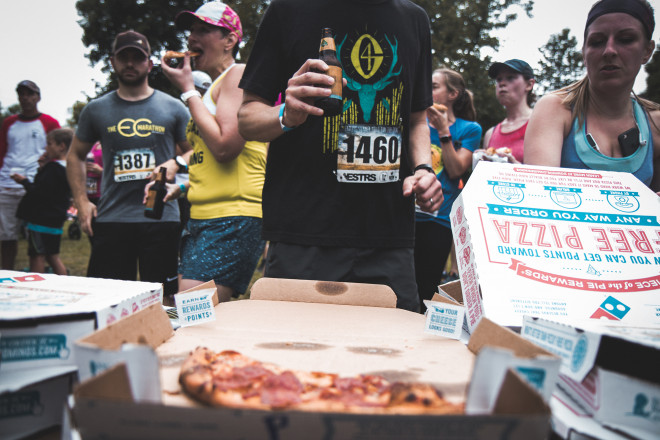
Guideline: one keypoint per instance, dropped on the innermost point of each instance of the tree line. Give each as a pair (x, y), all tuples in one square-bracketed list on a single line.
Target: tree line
[(461, 31)]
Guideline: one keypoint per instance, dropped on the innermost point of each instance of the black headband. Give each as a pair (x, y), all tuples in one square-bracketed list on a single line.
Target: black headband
[(633, 8)]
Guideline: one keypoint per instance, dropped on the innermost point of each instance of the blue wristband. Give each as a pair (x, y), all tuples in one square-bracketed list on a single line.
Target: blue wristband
[(284, 127), (183, 188)]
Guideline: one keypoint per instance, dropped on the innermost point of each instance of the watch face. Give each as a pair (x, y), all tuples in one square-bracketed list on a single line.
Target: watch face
[(182, 163)]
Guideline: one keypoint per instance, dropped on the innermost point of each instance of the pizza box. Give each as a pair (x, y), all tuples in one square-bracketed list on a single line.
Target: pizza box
[(41, 315), (568, 245), (31, 402), (611, 373), (571, 421), (341, 328)]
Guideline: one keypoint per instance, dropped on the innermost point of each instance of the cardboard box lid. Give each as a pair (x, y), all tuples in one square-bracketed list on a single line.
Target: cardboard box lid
[(35, 297), (326, 292), (631, 351), (562, 244)]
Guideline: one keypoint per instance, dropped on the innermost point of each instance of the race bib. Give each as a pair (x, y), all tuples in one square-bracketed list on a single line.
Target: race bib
[(134, 164), (368, 154), (92, 186)]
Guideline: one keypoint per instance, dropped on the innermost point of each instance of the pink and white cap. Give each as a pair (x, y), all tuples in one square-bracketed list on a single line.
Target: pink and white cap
[(214, 13)]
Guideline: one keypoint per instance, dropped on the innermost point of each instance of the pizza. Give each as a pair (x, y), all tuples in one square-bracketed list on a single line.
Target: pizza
[(231, 379)]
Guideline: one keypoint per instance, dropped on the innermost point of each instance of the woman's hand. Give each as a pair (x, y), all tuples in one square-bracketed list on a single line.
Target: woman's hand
[(180, 77), (438, 120), (94, 168)]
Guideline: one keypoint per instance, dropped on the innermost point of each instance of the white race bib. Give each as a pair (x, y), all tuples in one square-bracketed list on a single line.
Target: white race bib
[(368, 154), (135, 164)]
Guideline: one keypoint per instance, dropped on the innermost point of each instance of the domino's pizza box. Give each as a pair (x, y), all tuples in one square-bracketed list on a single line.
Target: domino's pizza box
[(569, 245), (31, 402), (611, 373), (41, 315), (342, 328), (570, 421)]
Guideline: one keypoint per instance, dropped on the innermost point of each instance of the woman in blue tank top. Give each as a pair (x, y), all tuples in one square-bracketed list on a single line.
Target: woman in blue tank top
[(598, 122)]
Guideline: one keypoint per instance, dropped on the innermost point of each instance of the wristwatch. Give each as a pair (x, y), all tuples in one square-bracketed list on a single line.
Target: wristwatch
[(185, 96), (183, 166), (424, 166), (445, 139)]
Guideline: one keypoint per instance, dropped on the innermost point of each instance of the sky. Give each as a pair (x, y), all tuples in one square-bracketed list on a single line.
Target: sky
[(42, 42)]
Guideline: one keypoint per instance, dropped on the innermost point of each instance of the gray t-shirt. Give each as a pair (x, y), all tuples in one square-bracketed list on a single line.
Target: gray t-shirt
[(135, 136)]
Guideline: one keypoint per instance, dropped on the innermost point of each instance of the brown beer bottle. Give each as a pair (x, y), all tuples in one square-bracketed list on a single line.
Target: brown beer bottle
[(331, 105), (155, 204)]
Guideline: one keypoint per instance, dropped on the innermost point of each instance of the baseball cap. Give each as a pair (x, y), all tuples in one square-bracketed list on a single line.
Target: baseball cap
[(518, 65), (213, 13), (202, 80), (131, 39), (30, 85)]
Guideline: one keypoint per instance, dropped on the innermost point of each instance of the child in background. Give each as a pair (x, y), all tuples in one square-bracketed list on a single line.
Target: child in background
[(45, 203)]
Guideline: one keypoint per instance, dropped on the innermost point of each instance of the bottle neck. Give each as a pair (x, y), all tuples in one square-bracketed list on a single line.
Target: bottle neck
[(327, 44)]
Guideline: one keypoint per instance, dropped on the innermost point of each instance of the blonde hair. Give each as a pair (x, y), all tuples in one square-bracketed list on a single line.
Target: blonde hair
[(575, 96)]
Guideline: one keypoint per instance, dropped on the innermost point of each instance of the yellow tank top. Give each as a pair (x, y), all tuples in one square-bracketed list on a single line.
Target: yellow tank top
[(224, 189)]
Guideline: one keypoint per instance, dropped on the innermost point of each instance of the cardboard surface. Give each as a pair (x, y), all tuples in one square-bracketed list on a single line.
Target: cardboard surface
[(344, 339), (569, 245), (41, 315), (33, 402), (347, 340), (627, 398)]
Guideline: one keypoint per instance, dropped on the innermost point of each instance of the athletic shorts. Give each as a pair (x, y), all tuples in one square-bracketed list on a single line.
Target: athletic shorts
[(10, 225), (225, 250), (394, 267), (42, 243), (119, 249)]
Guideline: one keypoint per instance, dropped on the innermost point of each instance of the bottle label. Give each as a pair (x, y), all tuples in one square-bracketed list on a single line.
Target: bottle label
[(137, 164), (327, 44), (151, 199), (336, 73), (368, 154)]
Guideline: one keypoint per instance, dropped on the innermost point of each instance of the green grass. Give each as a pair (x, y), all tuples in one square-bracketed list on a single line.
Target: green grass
[(75, 256)]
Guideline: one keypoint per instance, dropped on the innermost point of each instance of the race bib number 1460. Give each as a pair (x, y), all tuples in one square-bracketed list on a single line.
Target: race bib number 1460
[(368, 154)]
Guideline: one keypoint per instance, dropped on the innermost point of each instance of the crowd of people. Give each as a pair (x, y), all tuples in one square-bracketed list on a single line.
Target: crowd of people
[(362, 196)]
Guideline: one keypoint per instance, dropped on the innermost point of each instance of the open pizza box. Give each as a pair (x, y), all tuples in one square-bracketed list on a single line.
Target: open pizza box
[(342, 328)]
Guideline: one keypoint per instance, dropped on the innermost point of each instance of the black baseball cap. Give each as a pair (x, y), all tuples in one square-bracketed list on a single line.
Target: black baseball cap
[(30, 85), (518, 65), (131, 39)]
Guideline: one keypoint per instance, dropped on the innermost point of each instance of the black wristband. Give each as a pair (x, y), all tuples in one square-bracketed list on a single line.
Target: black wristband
[(424, 166)]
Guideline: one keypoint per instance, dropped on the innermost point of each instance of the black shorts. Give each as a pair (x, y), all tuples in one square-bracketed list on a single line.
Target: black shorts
[(119, 249), (41, 243), (394, 267)]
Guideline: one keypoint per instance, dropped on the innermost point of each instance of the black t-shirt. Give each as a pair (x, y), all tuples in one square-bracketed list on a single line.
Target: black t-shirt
[(385, 52)]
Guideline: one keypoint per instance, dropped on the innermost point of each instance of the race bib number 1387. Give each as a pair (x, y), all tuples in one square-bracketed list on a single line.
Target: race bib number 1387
[(368, 154), (135, 164)]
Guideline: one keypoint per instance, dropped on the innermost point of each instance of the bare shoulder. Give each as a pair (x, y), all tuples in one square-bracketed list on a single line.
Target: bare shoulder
[(235, 74), (552, 103)]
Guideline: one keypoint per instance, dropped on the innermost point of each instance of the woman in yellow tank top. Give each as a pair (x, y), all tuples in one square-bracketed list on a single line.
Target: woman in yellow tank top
[(222, 240)]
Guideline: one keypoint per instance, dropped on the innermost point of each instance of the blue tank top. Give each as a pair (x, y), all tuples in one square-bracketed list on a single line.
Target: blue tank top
[(577, 153)]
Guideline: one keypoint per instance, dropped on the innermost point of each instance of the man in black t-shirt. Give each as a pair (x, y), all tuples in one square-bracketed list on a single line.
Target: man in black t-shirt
[(338, 200)]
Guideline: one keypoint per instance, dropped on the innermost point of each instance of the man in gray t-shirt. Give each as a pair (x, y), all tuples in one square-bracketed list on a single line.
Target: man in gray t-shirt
[(139, 129)]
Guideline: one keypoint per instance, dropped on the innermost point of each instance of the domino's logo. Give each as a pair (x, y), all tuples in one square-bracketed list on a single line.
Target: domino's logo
[(611, 309)]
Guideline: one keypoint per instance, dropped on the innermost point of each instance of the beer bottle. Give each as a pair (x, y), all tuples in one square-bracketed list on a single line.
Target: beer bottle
[(155, 204), (331, 105)]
